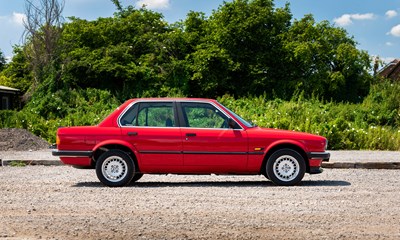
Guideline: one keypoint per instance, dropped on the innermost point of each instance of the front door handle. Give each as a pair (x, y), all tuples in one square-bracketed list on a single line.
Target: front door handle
[(190, 134), (132, 133)]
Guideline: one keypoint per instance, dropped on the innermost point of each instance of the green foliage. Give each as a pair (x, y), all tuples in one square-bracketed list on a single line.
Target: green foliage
[(2, 60), (372, 124), (18, 164), (245, 48), (45, 113), (325, 62), (16, 74), (130, 54)]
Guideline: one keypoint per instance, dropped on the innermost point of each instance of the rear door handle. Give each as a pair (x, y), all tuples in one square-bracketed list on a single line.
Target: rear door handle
[(190, 134), (132, 133)]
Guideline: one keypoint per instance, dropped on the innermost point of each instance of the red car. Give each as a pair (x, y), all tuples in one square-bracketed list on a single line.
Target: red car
[(187, 136)]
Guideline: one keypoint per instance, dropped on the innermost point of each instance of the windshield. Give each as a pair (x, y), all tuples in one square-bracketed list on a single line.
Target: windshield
[(244, 122)]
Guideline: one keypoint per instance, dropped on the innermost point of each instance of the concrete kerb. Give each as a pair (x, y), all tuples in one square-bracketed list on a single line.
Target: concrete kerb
[(30, 162), (362, 165), (339, 159), (25, 158)]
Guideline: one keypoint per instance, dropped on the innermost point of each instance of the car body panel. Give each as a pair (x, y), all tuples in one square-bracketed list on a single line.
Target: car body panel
[(156, 147), (181, 148), (215, 149)]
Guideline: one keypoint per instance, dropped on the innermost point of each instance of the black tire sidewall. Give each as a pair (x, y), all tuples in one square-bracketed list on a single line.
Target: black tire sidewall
[(270, 164), (130, 168), (136, 177)]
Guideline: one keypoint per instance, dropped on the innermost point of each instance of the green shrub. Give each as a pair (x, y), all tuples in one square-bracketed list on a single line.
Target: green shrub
[(372, 124)]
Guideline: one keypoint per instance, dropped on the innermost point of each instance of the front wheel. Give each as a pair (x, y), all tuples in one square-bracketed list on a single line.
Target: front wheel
[(115, 168), (285, 167)]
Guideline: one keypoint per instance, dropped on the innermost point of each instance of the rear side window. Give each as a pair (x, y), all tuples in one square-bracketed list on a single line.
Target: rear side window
[(151, 114)]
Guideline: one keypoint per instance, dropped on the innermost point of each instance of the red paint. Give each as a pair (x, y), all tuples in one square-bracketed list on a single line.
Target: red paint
[(183, 149)]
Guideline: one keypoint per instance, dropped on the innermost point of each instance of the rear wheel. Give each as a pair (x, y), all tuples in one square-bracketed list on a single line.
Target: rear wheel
[(115, 168), (286, 167)]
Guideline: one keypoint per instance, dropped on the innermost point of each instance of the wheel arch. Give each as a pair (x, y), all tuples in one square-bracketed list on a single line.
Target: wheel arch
[(118, 145), (287, 145)]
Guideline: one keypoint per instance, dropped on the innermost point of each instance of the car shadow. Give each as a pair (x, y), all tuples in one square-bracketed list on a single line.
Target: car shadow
[(222, 184)]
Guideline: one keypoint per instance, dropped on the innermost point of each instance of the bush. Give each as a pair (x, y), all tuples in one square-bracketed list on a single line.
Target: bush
[(373, 124)]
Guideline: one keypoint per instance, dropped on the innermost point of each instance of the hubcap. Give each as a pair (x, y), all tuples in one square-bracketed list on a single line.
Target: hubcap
[(286, 168), (114, 169)]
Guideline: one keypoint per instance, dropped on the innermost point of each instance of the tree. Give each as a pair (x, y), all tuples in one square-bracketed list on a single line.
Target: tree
[(42, 33), (118, 5), (127, 54), (16, 74), (324, 61), (242, 39), (2, 60)]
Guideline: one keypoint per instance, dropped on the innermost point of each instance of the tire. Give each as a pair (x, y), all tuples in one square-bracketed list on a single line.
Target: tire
[(286, 167), (115, 168), (136, 177)]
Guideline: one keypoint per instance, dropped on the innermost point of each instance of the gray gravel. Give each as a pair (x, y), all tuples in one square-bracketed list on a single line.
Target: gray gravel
[(60, 202)]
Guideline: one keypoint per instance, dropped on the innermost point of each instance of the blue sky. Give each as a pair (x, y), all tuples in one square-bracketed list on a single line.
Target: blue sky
[(374, 24)]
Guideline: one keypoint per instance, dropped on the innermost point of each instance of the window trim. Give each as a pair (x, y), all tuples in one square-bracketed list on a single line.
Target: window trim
[(178, 114), (205, 102), (176, 120)]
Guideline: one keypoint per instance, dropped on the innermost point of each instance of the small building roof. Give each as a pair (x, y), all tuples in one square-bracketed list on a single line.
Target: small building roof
[(5, 89), (391, 70)]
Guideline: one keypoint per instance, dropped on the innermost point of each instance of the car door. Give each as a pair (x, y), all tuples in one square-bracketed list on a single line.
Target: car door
[(209, 145), (151, 127)]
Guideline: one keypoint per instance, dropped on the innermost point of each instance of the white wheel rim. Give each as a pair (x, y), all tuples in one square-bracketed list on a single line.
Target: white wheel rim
[(286, 168), (114, 169)]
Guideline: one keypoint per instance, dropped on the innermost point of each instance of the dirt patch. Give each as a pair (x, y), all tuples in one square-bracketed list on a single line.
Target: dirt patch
[(16, 139)]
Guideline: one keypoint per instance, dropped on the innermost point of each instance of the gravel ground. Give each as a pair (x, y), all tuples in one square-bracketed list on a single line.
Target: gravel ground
[(60, 202)]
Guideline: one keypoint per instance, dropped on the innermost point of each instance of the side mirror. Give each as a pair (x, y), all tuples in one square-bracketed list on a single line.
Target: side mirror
[(231, 123)]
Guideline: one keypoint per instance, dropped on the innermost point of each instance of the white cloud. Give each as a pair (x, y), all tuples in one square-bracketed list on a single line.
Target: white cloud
[(153, 4), (347, 19), (344, 20), (389, 44), (18, 18), (395, 31), (391, 14), (15, 18)]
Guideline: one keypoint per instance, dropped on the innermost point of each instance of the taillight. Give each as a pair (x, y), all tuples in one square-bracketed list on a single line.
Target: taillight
[(58, 140)]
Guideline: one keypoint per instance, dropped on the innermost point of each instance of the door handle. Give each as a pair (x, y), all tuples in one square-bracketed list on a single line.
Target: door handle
[(132, 133), (190, 134)]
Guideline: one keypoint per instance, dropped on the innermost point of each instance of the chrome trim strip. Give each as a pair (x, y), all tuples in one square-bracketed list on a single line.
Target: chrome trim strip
[(173, 102), (160, 152), (201, 153)]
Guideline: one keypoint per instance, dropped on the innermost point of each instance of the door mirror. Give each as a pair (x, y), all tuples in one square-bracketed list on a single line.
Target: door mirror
[(232, 124)]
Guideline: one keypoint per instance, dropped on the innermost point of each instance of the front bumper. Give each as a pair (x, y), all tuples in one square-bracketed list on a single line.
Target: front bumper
[(319, 155), (315, 160)]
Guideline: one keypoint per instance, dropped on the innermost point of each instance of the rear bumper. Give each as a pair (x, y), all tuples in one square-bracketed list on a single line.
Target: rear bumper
[(316, 170), (81, 159), (66, 153)]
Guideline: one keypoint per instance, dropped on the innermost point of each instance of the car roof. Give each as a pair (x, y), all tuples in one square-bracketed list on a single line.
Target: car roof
[(173, 99)]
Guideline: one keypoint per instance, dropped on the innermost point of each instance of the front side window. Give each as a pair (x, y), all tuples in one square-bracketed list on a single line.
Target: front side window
[(203, 115), (151, 114)]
